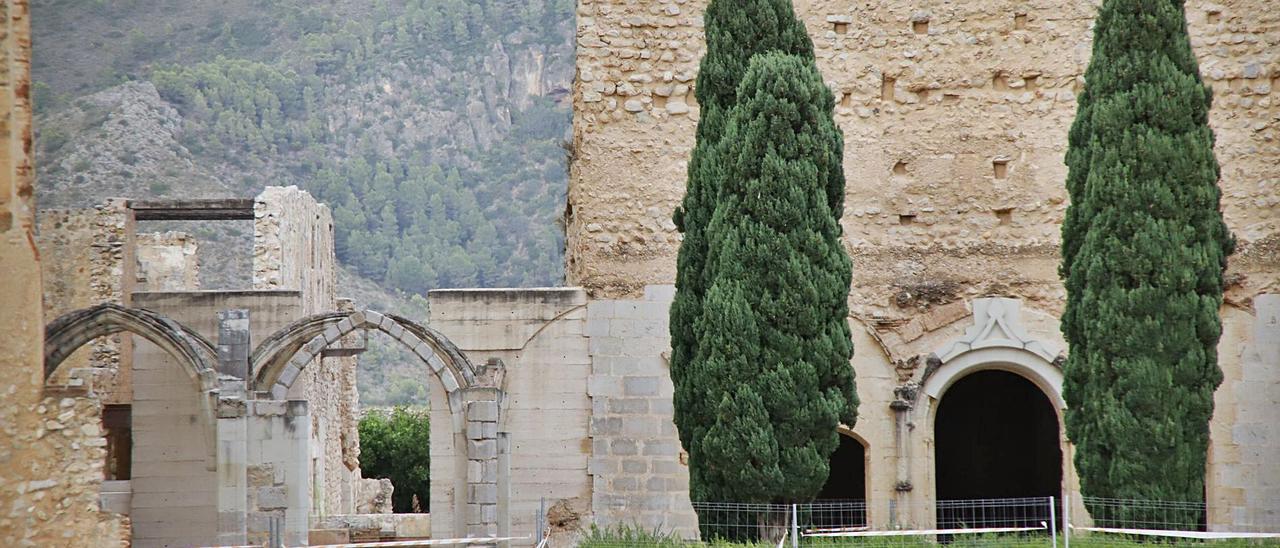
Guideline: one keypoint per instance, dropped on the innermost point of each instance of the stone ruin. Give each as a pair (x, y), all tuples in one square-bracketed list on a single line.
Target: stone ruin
[(955, 119)]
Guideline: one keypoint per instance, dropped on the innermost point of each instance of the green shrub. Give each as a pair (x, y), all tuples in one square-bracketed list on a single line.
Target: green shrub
[(397, 446)]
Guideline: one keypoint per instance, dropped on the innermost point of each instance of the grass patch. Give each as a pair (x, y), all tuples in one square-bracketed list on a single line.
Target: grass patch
[(619, 536)]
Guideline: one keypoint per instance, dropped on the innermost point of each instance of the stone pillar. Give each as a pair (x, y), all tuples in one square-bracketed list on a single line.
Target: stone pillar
[(482, 464), (279, 470), (232, 468), (233, 343)]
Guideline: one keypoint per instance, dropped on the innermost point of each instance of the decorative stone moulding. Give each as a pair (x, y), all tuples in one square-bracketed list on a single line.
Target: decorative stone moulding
[(996, 340)]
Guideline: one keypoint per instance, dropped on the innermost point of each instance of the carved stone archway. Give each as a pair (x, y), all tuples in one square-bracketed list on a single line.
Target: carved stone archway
[(473, 394), (193, 353)]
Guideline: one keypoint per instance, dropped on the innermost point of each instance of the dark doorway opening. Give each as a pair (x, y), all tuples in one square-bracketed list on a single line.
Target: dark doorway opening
[(842, 501), (996, 437)]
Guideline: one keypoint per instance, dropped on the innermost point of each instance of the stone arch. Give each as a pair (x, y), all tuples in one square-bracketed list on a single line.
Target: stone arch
[(996, 341), (467, 468), (74, 329), (277, 362), (193, 353)]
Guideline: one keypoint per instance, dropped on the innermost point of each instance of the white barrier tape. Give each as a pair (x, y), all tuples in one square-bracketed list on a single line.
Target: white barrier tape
[(923, 532), (1175, 534), (425, 543)]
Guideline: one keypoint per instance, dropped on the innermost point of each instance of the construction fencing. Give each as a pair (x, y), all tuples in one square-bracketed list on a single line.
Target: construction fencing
[(1014, 523)]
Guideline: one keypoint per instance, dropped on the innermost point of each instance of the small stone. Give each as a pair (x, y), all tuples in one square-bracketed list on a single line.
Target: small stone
[(633, 105), (677, 107)]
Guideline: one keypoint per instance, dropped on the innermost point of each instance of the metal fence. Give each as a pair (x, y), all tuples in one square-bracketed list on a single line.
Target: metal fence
[(1012, 523)]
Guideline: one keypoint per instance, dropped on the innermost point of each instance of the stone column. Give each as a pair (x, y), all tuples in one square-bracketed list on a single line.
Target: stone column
[(234, 343), (482, 464), (232, 460)]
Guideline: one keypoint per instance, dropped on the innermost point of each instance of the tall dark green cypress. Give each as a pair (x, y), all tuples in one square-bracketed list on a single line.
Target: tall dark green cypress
[(1144, 248), (772, 360), (735, 31)]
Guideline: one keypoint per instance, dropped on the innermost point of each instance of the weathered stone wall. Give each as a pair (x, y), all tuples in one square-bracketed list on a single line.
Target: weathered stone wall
[(84, 253), (538, 334), (955, 119), (45, 501), (293, 249), (638, 470), (166, 261), (1244, 481)]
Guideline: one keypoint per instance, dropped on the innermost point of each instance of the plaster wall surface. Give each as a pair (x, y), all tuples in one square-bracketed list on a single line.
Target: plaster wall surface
[(539, 335), (166, 261)]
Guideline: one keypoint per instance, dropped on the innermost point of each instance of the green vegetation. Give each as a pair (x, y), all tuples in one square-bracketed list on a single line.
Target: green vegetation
[(763, 377), (1143, 253), (735, 31), (397, 446), (630, 536), (386, 111)]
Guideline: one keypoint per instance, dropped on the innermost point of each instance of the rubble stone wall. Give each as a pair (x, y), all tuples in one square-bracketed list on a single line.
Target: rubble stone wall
[(293, 249), (43, 498), (955, 118), (84, 253)]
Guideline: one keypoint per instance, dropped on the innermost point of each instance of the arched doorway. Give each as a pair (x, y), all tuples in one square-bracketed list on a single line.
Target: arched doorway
[(996, 436), (843, 499)]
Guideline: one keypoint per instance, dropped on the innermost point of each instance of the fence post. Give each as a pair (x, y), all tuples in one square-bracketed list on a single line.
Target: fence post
[(795, 526), (1066, 520), (1053, 524)]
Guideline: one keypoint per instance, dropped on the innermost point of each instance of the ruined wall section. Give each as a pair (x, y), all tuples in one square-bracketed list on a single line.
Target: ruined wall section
[(167, 261), (294, 249), (955, 118), (84, 252), (43, 500)]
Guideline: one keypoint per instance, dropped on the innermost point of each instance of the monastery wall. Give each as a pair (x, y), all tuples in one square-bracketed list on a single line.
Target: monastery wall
[(955, 119)]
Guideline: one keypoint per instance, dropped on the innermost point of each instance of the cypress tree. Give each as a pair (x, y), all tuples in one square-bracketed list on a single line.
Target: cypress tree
[(772, 359), (1144, 248), (735, 30)]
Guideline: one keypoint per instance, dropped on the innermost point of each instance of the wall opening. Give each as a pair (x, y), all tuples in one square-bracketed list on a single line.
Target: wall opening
[(841, 27), (920, 26), (886, 88), (846, 488), (117, 420), (996, 436), (1020, 21), (1212, 17), (900, 168), (906, 219), (1000, 168), (846, 99), (1004, 215)]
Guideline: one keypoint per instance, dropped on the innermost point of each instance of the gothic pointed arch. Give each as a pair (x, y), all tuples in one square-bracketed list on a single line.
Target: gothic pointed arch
[(192, 352), (280, 359)]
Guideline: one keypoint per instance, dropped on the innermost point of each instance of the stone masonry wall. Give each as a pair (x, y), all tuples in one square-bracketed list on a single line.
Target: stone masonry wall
[(293, 249), (84, 251), (167, 261), (1244, 481), (638, 470), (955, 118), (43, 502)]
